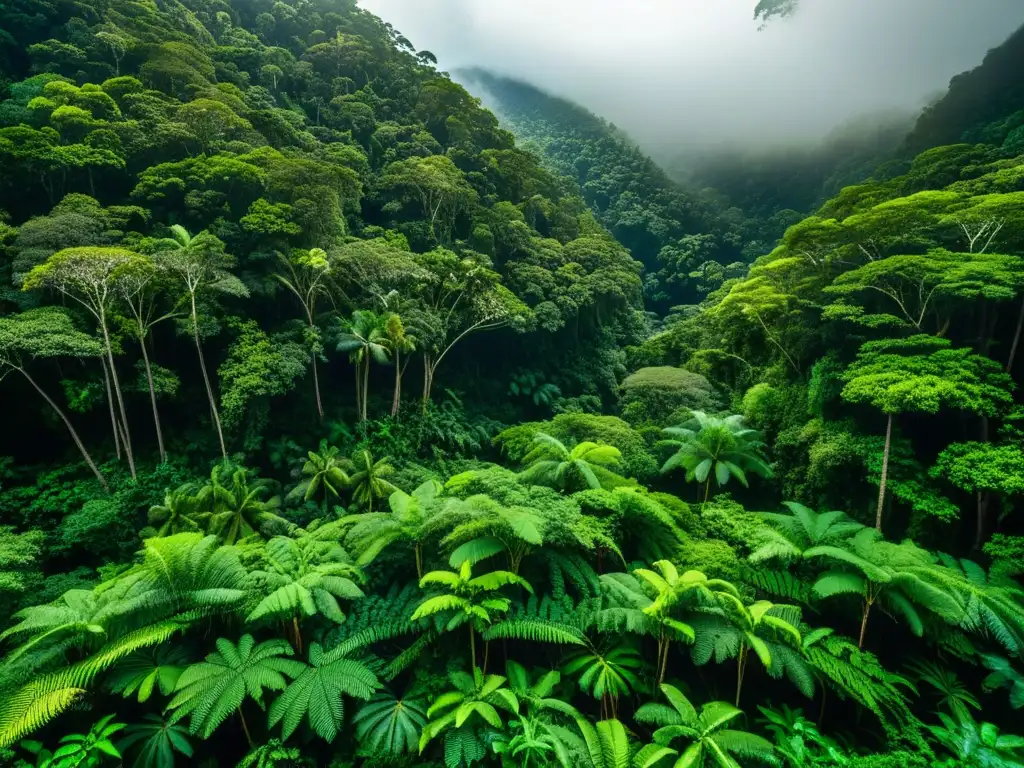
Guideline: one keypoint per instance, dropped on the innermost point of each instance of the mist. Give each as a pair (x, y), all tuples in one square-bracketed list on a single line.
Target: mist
[(693, 75)]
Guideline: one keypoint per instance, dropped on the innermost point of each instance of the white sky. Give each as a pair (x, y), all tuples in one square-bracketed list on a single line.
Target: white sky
[(682, 74)]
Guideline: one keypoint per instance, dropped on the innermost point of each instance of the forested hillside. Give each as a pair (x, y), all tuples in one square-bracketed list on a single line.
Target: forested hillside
[(336, 432), (689, 241)]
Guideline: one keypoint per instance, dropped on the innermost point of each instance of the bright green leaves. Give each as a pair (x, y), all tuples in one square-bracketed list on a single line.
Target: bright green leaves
[(317, 693), (211, 691), (923, 374), (389, 726), (724, 446), (584, 465)]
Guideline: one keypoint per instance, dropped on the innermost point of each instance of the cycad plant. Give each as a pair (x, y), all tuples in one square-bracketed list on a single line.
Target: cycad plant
[(237, 507), (710, 447), (711, 742), (584, 465), (465, 599), (178, 513), (322, 471)]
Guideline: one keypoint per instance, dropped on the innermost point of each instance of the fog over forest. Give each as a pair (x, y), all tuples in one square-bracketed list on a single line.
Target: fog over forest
[(681, 75)]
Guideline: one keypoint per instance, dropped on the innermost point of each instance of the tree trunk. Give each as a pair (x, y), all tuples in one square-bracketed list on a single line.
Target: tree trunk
[(472, 646), (71, 429), (359, 388), (366, 385), (206, 380), (316, 389), (152, 401), (1016, 339), (120, 398), (979, 535), (419, 561), (245, 727), (864, 624), (397, 399), (740, 669), (885, 472), (428, 380), (110, 406), (298, 635)]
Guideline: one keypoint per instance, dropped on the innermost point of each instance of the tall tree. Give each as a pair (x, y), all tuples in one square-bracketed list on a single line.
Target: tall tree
[(365, 339), (92, 277), (922, 374), (307, 278), (43, 334), (201, 265), (138, 287)]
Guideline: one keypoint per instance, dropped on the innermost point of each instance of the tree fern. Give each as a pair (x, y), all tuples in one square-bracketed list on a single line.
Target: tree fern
[(317, 693), (779, 584), (858, 675), (210, 691), (303, 577), (45, 697)]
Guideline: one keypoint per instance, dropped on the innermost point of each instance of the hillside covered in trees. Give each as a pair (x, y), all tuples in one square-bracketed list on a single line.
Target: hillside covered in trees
[(341, 428)]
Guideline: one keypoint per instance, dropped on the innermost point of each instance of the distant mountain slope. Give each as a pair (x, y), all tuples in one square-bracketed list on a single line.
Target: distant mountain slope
[(687, 240), (982, 106)]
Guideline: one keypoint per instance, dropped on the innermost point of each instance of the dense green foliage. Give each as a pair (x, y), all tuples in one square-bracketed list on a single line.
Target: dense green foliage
[(779, 531)]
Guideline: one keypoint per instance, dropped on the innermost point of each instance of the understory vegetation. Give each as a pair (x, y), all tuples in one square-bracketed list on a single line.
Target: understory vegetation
[(342, 430)]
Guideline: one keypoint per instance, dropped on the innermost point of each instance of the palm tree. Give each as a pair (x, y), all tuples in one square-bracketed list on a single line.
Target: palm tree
[(790, 536), (365, 339), (308, 275), (200, 264), (210, 691), (236, 509), (322, 470), (607, 672), (900, 577), (303, 576), (400, 342), (372, 532), (711, 742), (368, 478), (178, 513), (723, 448), (769, 630), (468, 599), (585, 465)]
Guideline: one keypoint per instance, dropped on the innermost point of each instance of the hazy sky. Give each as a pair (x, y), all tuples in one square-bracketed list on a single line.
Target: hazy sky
[(680, 74)]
